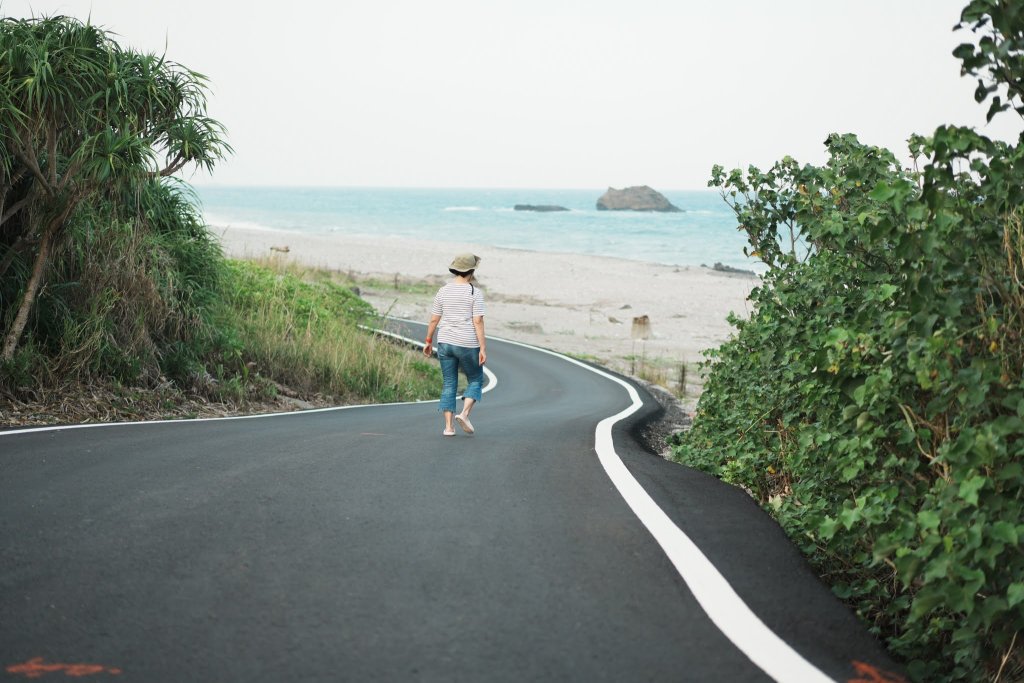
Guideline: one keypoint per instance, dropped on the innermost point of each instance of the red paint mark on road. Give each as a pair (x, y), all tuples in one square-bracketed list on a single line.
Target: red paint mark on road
[(37, 668), (869, 673)]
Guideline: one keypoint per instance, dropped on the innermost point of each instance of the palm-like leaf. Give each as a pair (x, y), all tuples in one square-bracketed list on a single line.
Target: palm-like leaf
[(79, 113)]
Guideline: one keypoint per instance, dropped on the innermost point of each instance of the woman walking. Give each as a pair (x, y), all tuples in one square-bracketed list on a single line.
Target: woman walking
[(458, 317)]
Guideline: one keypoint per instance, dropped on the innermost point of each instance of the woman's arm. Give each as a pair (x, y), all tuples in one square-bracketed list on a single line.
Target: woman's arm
[(478, 325), (431, 326)]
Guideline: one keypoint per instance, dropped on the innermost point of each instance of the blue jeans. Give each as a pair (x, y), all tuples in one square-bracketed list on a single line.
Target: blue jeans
[(452, 358)]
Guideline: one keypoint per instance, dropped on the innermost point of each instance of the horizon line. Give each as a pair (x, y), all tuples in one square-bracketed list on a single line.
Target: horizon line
[(433, 187)]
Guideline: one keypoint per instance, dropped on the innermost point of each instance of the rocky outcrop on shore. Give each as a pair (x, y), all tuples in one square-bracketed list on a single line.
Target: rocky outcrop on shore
[(539, 207), (636, 198)]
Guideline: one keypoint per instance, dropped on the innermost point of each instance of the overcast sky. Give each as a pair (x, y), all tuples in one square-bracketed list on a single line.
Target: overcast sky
[(548, 93)]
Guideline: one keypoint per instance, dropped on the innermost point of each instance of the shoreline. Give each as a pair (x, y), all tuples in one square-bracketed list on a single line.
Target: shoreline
[(581, 305)]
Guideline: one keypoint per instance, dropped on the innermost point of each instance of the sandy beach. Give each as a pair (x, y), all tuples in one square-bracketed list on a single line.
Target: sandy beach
[(577, 304)]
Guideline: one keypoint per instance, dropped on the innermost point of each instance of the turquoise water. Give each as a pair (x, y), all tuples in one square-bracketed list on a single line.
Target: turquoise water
[(704, 233)]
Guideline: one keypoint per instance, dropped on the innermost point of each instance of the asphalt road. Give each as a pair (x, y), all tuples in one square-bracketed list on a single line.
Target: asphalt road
[(360, 545)]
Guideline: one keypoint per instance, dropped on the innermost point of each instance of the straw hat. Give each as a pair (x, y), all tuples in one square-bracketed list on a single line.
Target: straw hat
[(464, 263)]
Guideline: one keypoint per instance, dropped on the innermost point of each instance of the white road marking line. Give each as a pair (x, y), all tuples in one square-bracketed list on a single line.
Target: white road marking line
[(492, 381), (191, 420), (719, 600)]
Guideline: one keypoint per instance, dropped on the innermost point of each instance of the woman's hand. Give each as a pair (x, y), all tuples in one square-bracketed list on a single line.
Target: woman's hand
[(428, 346), (483, 356)]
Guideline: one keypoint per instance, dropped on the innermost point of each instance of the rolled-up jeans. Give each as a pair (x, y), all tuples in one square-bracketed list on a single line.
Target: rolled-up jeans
[(452, 359)]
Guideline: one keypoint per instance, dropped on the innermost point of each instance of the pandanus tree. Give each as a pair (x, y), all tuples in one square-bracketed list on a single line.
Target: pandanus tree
[(81, 116)]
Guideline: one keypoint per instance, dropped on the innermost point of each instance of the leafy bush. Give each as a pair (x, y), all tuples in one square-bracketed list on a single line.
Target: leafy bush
[(82, 118), (873, 402)]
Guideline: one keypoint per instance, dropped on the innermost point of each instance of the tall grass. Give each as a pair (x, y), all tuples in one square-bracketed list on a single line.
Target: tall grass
[(301, 325)]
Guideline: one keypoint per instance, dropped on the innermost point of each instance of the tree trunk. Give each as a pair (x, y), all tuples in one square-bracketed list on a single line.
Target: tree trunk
[(38, 271)]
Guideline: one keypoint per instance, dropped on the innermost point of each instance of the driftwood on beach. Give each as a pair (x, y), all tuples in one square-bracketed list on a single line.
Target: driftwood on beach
[(721, 268)]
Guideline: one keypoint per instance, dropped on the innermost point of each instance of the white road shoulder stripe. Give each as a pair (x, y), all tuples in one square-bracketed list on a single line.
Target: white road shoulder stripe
[(722, 604), (492, 381)]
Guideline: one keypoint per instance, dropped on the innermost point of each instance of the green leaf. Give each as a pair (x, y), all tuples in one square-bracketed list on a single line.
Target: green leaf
[(938, 568), (838, 335), (907, 568), (828, 527), (882, 192), (1004, 531), (842, 591), (917, 212), (884, 548), (929, 519), (965, 634), (886, 291), (850, 516), (1010, 471), (969, 489), (925, 601), (963, 51), (1015, 594), (974, 579)]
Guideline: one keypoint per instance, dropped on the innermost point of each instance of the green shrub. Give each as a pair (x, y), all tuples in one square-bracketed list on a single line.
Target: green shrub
[(83, 119), (131, 285), (873, 401)]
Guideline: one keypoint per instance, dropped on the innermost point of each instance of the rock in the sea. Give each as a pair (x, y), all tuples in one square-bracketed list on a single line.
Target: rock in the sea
[(637, 198), (539, 207)]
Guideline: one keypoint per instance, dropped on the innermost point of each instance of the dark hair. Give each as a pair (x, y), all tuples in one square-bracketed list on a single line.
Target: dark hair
[(461, 274)]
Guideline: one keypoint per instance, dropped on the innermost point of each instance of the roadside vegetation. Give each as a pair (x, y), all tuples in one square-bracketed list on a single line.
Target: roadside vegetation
[(304, 324), (115, 300), (873, 402)]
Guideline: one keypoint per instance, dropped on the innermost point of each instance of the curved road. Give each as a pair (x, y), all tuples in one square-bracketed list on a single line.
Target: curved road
[(359, 545)]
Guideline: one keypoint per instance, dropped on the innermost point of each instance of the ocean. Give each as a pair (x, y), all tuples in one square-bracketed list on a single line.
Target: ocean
[(704, 233)]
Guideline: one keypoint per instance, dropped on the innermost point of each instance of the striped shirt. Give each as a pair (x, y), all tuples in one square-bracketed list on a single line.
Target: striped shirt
[(457, 305)]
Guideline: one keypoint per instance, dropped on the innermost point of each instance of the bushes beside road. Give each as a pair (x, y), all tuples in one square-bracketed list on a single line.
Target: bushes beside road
[(874, 402), (109, 277)]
